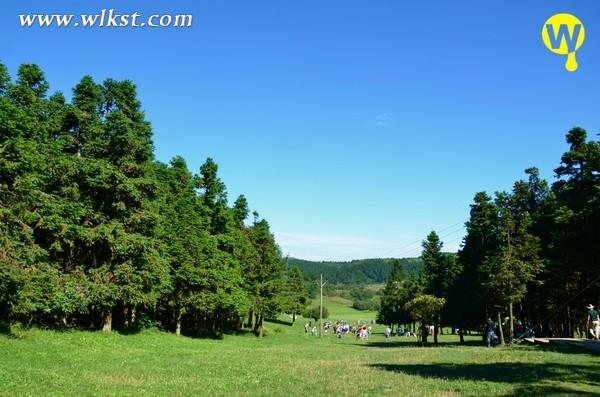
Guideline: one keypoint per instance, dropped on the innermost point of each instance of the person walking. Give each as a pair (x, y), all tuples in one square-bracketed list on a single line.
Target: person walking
[(592, 316)]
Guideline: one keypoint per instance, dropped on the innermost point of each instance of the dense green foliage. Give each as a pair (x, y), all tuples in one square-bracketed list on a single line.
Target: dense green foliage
[(364, 298), (294, 298), (425, 309), (530, 254), (395, 295), (314, 312), (96, 233), (359, 271)]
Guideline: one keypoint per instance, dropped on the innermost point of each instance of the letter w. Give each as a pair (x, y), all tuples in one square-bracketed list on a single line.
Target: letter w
[(89, 20), (563, 32)]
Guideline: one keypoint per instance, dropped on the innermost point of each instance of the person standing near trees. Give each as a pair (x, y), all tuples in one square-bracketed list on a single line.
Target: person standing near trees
[(592, 315), (424, 333), (490, 327)]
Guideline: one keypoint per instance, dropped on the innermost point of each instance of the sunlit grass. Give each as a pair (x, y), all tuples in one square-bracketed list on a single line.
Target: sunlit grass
[(286, 362)]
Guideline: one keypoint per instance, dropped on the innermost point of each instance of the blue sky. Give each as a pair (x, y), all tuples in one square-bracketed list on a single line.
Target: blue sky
[(354, 127)]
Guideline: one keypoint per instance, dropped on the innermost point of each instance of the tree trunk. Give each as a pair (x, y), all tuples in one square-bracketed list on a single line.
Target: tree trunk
[(133, 315), (511, 328), (261, 325), (293, 317), (436, 327), (200, 323), (569, 325), (107, 327), (125, 315), (501, 330), (461, 335), (178, 322)]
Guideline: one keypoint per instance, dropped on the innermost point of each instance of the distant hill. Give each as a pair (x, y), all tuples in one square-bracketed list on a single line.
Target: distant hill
[(363, 271)]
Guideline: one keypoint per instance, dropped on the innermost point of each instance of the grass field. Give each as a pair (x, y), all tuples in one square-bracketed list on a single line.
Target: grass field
[(341, 309), (286, 362)]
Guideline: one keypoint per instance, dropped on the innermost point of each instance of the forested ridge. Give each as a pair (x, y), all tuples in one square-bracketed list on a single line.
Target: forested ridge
[(95, 233), (358, 271), (530, 259)]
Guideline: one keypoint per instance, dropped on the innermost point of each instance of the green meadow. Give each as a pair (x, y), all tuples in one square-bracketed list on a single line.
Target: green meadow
[(286, 362)]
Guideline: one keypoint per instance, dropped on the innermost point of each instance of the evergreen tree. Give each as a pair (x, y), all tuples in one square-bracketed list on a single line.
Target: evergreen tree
[(240, 210), (93, 229), (294, 296), (263, 277), (433, 261), (439, 272), (465, 303), (576, 236), (508, 271), (393, 298)]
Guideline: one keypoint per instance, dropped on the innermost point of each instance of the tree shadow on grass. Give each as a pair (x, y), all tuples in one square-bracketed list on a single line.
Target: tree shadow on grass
[(280, 322), (560, 348), (547, 390), (527, 377), (470, 342), (412, 342), (392, 343)]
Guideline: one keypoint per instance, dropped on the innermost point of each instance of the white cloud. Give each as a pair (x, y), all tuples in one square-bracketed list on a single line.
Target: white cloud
[(384, 119), (333, 247), (319, 247)]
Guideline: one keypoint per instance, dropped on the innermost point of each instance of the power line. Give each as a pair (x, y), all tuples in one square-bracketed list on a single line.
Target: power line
[(421, 239), (445, 242), (405, 252)]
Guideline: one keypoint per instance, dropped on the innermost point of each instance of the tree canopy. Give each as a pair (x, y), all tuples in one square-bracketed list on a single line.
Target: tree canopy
[(530, 253), (96, 233)]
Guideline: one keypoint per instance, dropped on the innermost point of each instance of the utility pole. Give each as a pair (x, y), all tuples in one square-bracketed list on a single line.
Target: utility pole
[(321, 284)]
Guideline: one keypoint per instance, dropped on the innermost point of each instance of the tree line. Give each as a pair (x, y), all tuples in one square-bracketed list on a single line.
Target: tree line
[(358, 271), (531, 256), (96, 233)]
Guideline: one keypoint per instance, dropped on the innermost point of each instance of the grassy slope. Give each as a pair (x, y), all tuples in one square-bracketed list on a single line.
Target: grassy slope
[(287, 362)]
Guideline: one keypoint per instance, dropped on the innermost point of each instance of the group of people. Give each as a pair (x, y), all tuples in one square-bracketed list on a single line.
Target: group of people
[(399, 332), (360, 330), (340, 328), (363, 332), (522, 329), (312, 328), (541, 330)]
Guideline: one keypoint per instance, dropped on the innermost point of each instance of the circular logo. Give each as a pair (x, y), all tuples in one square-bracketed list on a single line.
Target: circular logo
[(564, 34)]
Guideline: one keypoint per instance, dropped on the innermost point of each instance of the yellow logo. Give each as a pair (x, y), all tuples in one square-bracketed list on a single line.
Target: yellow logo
[(563, 34)]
